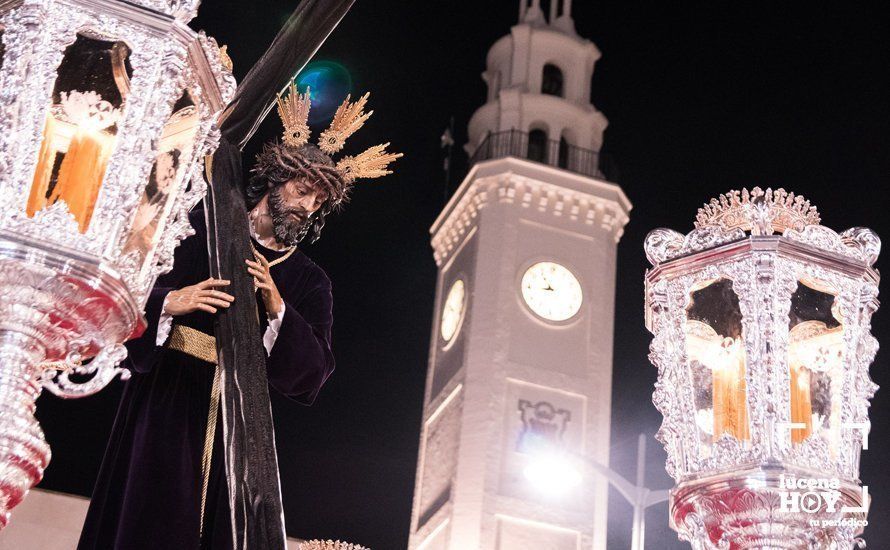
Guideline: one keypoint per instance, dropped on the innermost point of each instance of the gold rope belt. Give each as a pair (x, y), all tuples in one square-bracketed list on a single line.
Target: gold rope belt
[(193, 342), (201, 346)]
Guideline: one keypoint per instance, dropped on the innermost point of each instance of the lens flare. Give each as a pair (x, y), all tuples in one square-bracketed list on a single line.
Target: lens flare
[(328, 82)]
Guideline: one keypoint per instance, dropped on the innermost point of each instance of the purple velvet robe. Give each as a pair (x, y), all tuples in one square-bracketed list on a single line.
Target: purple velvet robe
[(148, 492)]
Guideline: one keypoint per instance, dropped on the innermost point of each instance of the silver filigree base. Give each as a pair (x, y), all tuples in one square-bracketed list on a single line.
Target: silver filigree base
[(54, 307), (24, 452), (745, 511)]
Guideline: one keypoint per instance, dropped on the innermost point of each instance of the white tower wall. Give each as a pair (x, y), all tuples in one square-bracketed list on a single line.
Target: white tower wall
[(508, 373)]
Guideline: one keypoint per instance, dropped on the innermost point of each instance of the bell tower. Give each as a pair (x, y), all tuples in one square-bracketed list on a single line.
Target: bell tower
[(521, 346), (538, 102)]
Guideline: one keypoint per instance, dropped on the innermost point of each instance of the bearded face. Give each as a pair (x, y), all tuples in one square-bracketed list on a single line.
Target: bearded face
[(292, 206), (300, 187), (289, 223)]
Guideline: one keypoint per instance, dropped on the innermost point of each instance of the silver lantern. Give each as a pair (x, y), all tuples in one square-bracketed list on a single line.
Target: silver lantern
[(761, 324), (107, 109)]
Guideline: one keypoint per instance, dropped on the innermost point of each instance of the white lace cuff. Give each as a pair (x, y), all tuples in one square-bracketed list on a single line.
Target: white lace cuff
[(164, 324), (272, 331)]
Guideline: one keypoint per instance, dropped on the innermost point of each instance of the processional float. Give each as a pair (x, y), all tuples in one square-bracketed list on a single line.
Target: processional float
[(108, 110), (761, 322)]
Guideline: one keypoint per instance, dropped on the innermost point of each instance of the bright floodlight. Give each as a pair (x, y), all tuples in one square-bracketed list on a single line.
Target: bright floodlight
[(552, 474)]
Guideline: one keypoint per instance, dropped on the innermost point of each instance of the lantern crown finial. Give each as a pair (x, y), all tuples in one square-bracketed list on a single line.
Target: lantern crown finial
[(758, 211)]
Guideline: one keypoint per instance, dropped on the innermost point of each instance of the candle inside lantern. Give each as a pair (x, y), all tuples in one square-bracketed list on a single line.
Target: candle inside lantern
[(44, 171), (81, 174), (730, 391), (724, 357), (81, 137), (801, 404), (815, 352)]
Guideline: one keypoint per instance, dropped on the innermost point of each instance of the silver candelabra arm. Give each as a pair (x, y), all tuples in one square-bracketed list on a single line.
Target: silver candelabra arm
[(77, 380)]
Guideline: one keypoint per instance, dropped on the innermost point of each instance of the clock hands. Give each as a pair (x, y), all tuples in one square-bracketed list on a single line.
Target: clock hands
[(551, 291)]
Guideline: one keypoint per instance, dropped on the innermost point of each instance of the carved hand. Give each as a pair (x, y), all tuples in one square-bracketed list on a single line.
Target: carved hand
[(203, 296), (262, 279)]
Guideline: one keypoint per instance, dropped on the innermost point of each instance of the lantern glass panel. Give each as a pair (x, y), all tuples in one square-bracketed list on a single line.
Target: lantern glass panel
[(815, 363), (717, 364), (92, 83), (166, 179)]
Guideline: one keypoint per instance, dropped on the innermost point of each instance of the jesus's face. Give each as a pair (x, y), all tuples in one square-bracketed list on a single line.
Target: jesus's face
[(291, 206)]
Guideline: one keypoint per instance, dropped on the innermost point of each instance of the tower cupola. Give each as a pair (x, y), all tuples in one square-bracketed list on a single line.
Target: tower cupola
[(538, 103)]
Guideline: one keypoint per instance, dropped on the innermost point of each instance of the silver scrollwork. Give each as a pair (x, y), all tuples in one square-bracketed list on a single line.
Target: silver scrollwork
[(770, 362), (74, 276)]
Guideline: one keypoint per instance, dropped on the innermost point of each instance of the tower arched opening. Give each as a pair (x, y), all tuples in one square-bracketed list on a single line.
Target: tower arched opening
[(552, 82), (563, 159), (537, 145)]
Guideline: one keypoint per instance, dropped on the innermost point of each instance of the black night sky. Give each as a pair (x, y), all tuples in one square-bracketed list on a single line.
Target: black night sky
[(701, 97)]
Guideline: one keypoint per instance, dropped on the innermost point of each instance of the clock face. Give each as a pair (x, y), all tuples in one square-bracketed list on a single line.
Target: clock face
[(453, 311), (551, 291)]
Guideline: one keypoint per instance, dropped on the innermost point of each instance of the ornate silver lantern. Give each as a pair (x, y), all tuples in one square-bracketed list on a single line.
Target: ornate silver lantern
[(761, 321), (107, 110)]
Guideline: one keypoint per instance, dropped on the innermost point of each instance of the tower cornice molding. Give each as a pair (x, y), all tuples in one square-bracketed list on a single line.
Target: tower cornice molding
[(580, 201)]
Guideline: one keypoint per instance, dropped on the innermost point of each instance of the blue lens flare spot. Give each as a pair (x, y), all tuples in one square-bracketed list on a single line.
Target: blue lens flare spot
[(329, 82)]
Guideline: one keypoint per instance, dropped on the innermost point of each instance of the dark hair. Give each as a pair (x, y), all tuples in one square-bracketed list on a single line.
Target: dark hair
[(277, 164)]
